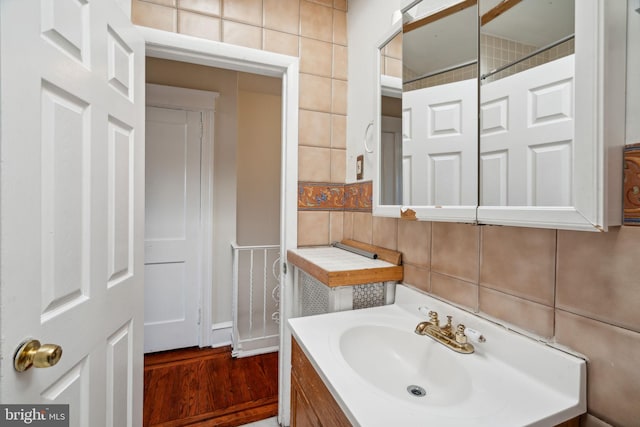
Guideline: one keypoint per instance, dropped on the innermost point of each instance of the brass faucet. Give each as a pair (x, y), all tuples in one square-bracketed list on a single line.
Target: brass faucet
[(456, 341)]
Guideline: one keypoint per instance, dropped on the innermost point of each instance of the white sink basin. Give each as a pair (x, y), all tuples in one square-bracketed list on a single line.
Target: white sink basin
[(376, 368), (394, 360)]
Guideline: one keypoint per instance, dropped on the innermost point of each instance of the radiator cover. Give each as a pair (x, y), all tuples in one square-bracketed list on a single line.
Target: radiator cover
[(313, 297)]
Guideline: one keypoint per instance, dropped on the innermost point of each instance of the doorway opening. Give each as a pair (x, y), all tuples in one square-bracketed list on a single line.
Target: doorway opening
[(176, 47), (215, 194)]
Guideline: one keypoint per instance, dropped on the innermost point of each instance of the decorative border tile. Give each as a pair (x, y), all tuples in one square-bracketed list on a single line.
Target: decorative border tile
[(318, 196), (358, 196), (632, 184)]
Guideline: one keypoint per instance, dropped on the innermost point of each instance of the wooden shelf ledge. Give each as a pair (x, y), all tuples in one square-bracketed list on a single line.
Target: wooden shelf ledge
[(386, 268)]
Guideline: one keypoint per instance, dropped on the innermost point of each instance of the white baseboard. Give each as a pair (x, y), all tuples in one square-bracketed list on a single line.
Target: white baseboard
[(221, 334), (255, 352)]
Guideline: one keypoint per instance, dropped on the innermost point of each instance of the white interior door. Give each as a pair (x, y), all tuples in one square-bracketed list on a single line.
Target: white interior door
[(172, 228), (440, 145), (527, 133), (391, 160), (72, 135)]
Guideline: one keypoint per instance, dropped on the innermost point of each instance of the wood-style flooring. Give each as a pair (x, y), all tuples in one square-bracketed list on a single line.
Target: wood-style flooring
[(207, 387)]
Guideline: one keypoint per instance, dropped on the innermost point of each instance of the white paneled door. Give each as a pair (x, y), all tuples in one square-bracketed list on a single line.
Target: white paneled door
[(526, 137), (391, 160), (440, 145), (172, 228), (72, 135)]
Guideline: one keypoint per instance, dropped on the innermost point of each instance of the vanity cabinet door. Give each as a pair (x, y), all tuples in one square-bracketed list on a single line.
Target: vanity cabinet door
[(302, 414), (311, 402)]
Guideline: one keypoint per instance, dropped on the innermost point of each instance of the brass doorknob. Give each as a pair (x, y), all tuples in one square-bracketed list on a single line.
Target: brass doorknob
[(31, 353)]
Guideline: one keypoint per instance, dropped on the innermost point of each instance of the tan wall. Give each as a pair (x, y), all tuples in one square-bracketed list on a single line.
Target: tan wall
[(391, 107), (258, 205)]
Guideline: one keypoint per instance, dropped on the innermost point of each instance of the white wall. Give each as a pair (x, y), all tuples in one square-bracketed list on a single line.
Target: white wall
[(125, 5), (367, 22), (633, 73)]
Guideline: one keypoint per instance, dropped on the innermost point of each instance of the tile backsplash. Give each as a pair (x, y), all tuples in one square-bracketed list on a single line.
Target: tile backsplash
[(322, 208)]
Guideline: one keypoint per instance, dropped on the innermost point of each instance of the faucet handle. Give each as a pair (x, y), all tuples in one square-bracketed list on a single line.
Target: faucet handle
[(461, 338), (433, 317)]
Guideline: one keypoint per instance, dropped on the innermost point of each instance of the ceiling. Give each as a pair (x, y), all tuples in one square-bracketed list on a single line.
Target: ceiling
[(449, 41), (532, 22)]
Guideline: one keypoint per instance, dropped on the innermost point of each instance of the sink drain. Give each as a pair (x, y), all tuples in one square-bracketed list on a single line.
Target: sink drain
[(416, 390)]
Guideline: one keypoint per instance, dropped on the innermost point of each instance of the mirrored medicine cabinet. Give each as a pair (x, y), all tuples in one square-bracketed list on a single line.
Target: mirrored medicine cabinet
[(503, 112)]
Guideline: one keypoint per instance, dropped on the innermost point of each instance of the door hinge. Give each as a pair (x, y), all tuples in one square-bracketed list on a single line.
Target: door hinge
[(199, 316), (284, 268)]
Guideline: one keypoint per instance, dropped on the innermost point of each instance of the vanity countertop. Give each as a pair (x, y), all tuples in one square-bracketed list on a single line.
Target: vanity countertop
[(337, 267)]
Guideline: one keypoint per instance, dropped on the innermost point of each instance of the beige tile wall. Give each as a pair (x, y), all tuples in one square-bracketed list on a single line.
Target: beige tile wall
[(496, 52), (391, 57), (313, 30), (459, 74), (577, 289)]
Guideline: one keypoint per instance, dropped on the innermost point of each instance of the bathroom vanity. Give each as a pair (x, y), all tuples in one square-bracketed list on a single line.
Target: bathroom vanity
[(312, 404), (368, 368), (311, 401)]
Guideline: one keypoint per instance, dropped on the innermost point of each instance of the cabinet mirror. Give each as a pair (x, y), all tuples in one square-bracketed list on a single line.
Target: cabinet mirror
[(390, 108), (433, 172), (526, 103), (536, 165), (513, 113)]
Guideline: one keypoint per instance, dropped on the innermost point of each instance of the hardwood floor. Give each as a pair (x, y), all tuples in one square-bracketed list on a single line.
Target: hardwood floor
[(207, 387)]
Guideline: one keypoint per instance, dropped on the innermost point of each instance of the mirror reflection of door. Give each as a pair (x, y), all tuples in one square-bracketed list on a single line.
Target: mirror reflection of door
[(390, 192), (439, 102), (391, 153), (526, 102)]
